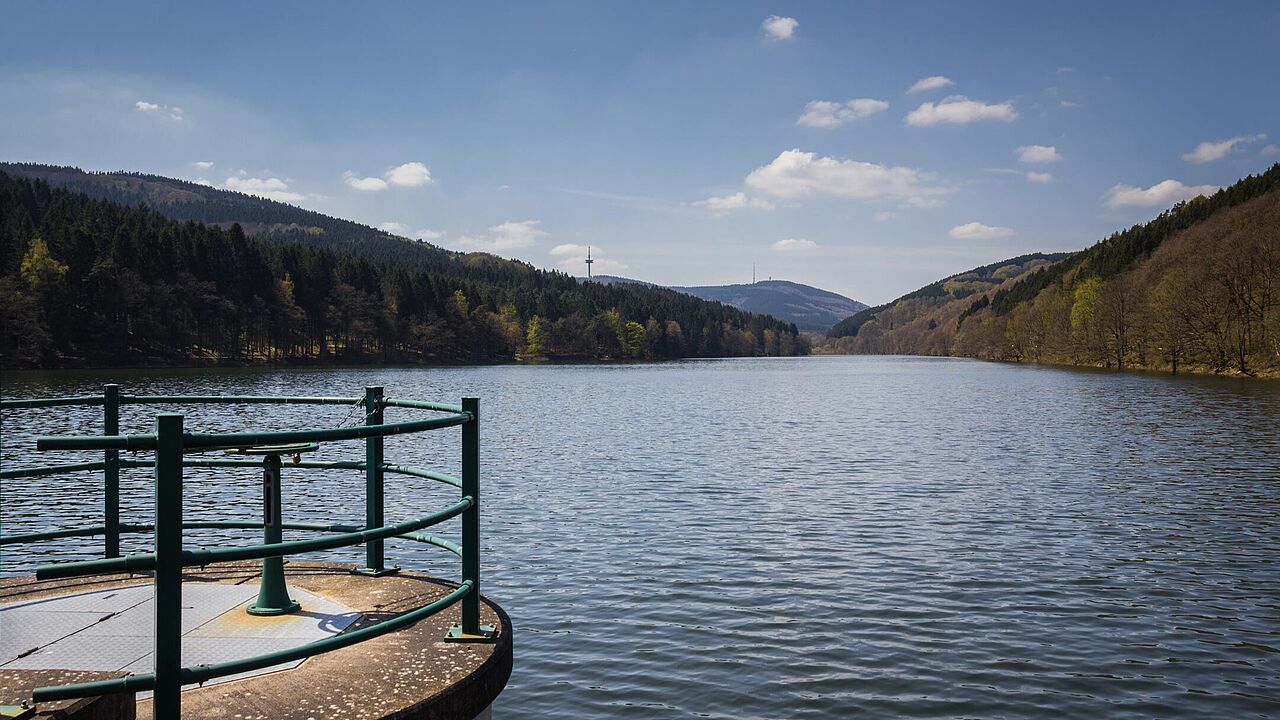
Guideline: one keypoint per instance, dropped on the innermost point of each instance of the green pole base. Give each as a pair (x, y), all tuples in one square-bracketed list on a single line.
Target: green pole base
[(376, 572), (487, 634), (285, 609), (17, 712)]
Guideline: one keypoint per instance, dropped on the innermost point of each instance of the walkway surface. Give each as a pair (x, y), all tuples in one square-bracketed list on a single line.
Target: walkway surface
[(53, 632), (115, 629)]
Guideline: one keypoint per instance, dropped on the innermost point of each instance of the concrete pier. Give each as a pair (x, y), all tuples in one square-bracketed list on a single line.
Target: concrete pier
[(56, 632)]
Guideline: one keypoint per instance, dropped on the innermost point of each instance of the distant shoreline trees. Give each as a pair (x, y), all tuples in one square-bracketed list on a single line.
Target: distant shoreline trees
[(87, 282)]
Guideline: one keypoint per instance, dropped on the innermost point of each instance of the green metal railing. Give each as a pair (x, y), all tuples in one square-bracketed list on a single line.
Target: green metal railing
[(170, 441)]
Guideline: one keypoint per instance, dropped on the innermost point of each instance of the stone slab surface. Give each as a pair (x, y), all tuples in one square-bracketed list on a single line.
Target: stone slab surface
[(410, 673), (113, 629)]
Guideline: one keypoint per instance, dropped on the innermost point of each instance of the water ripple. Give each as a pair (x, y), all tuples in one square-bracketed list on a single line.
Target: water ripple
[(815, 537)]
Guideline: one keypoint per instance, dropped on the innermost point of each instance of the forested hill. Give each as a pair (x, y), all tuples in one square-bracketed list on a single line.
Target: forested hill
[(263, 219), (95, 282), (1196, 288), (929, 298)]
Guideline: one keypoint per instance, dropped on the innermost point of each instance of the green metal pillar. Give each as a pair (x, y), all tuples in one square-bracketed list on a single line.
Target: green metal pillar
[(168, 573), (471, 630), (273, 593), (111, 473), (374, 562)]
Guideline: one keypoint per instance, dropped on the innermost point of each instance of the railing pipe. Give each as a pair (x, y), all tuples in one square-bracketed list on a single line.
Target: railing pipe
[(111, 470), (233, 440), (50, 402), (139, 562), (374, 559), (50, 470), (470, 629), (471, 518), (167, 703), (85, 531), (235, 400)]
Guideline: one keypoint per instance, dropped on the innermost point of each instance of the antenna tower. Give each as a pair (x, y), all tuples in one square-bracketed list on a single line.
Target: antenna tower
[(589, 261)]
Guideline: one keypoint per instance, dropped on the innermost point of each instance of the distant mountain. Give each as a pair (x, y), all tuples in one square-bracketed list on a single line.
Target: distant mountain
[(812, 309), (616, 280)]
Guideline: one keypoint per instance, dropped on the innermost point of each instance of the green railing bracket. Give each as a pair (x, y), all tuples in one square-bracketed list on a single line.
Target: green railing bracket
[(486, 634), (372, 572)]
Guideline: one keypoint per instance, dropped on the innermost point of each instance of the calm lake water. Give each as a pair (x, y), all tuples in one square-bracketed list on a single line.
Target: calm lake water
[(815, 537)]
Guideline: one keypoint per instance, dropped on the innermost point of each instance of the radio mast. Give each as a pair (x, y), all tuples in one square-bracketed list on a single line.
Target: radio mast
[(589, 261)]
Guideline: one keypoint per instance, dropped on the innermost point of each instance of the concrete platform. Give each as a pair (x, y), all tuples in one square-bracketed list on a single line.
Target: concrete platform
[(53, 632)]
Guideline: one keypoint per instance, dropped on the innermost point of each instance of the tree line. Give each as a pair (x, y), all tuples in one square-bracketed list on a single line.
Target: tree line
[(92, 282), (1206, 299), (1196, 288)]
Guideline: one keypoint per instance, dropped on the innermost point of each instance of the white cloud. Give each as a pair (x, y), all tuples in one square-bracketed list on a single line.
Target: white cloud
[(571, 249), (884, 216), (1038, 154), (1162, 194), (150, 108), (933, 82), (367, 184), (505, 236), (1068, 104), (827, 114), (410, 174), (1272, 149), (978, 231), (737, 201), (794, 245), (960, 110), (269, 188), (1039, 177), (572, 257), (795, 173), (779, 28), (202, 164), (1218, 149), (398, 228)]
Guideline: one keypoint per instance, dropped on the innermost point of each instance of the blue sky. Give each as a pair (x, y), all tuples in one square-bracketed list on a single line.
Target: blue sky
[(684, 141)]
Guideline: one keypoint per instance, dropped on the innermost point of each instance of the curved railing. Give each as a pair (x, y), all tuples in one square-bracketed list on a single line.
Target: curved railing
[(170, 441)]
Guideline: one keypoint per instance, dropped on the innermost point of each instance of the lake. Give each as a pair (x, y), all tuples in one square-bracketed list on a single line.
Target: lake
[(812, 537)]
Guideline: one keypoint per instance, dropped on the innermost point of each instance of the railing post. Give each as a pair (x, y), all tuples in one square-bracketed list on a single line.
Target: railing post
[(374, 562), (167, 703), (111, 473), (471, 630), (273, 592)]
